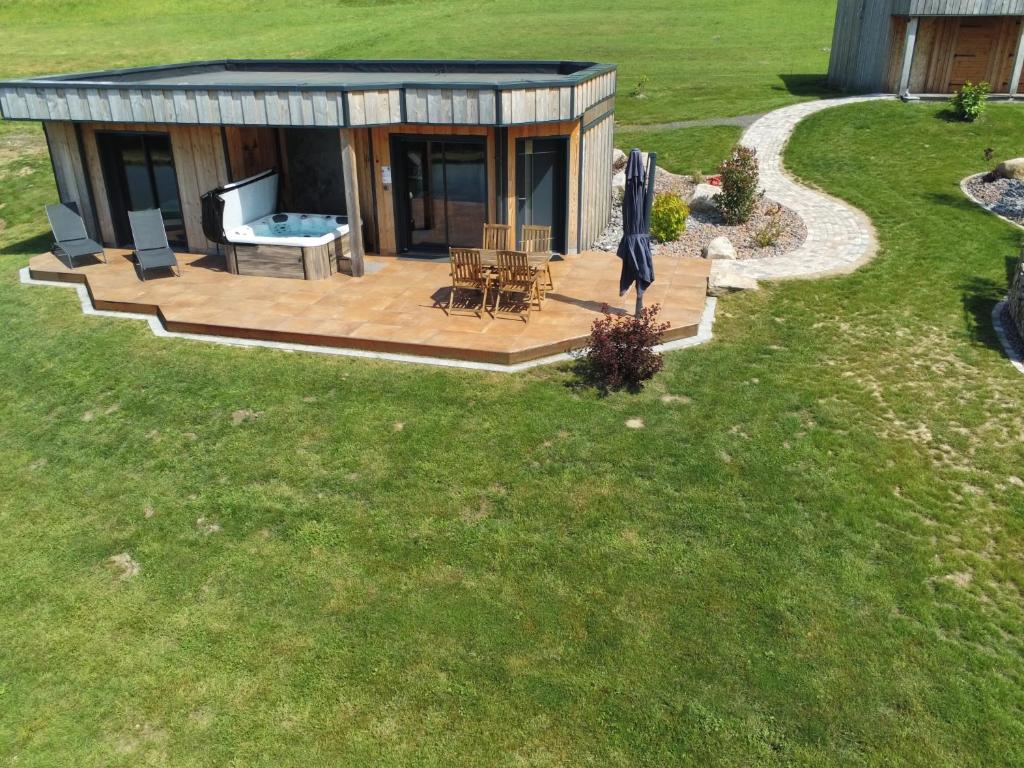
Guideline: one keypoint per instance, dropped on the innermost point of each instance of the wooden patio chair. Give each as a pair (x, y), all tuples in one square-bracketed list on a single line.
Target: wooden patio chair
[(516, 276), (468, 274), (537, 239), (496, 237)]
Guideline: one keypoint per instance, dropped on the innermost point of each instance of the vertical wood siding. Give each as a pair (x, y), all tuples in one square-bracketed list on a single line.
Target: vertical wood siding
[(71, 173), (596, 197), (199, 164)]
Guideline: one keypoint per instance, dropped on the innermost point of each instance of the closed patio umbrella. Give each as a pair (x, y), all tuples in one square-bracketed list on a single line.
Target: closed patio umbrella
[(635, 246)]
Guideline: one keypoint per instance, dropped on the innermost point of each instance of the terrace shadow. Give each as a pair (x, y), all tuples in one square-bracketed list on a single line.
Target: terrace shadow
[(812, 85)]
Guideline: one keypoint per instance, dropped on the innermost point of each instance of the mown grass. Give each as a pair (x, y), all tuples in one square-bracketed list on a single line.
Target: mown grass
[(684, 150), (809, 555), (701, 59)]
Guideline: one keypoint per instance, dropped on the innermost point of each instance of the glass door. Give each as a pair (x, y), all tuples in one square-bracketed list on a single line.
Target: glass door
[(440, 192), (541, 186), (138, 169)]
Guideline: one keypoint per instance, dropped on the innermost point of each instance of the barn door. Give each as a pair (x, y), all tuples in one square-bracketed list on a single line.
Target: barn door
[(975, 43)]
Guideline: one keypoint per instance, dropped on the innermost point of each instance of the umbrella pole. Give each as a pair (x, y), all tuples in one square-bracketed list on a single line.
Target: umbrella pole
[(639, 300)]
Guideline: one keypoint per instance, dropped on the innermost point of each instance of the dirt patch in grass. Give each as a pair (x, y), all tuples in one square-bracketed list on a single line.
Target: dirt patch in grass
[(124, 566), (243, 415)]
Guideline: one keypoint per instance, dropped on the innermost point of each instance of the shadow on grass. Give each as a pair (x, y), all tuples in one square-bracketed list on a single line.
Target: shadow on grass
[(806, 85), (980, 296), (31, 245), (947, 115)]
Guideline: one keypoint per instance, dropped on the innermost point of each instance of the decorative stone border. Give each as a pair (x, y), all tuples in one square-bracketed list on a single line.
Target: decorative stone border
[(704, 334)]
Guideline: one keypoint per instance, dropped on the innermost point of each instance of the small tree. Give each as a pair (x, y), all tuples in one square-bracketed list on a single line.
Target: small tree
[(969, 102), (621, 351), (740, 177)]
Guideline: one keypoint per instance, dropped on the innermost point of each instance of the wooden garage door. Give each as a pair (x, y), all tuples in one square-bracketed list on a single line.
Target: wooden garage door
[(984, 51)]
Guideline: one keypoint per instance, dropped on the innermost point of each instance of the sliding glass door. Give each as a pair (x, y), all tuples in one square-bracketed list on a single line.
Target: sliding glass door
[(138, 170), (440, 192)]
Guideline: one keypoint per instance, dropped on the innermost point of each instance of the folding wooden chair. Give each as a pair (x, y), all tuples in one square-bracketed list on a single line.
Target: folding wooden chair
[(468, 274), (537, 239), (496, 237), (516, 276)]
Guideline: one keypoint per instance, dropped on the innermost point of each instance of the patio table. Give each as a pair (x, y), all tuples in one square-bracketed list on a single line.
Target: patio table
[(539, 260)]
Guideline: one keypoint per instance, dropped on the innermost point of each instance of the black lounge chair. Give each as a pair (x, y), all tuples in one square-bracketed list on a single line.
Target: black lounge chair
[(69, 233), (151, 248)]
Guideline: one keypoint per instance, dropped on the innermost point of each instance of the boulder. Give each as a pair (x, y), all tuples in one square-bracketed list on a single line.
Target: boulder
[(618, 159), (719, 248), (703, 198), (723, 281), (619, 183), (1011, 169)]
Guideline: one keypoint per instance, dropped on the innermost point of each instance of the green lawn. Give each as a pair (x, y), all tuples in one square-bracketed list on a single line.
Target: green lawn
[(702, 59), (684, 150), (812, 557)]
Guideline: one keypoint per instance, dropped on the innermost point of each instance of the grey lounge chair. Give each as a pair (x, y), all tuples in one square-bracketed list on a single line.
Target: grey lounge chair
[(69, 234), (151, 248)]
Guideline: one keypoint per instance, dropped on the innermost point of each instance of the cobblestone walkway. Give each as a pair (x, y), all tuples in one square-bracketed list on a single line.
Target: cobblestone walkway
[(840, 238)]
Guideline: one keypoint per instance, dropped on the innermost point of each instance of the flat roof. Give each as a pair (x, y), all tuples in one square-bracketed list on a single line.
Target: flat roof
[(335, 75), (319, 93)]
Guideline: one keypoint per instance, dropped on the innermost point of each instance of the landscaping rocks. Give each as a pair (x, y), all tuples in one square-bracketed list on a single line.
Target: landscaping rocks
[(719, 248), (704, 226), (724, 280), (618, 159), (703, 200), (1001, 196), (1011, 169)]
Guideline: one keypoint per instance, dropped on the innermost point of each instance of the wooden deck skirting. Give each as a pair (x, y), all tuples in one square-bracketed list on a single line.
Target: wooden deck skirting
[(393, 309)]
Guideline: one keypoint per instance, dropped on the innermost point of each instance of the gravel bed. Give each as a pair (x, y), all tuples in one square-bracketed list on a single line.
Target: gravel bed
[(1002, 196), (702, 228)]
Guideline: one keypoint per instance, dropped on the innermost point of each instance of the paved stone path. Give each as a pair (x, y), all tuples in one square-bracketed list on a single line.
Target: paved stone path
[(840, 238)]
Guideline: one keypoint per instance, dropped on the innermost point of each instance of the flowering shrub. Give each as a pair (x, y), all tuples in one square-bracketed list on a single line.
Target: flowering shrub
[(969, 102), (740, 177), (621, 351), (668, 217)]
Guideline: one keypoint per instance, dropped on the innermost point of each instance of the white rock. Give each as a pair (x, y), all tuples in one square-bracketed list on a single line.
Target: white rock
[(719, 248), (619, 182), (724, 281), (703, 198), (618, 159), (1011, 169)]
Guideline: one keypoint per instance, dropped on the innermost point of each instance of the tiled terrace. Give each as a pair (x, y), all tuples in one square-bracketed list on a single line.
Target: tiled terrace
[(394, 308)]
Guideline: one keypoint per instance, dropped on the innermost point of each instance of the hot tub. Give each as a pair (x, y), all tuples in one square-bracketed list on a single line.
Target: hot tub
[(259, 241), (304, 230)]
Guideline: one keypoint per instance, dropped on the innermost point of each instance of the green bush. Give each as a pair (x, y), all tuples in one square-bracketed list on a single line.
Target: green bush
[(740, 177), (969, 102), (668, 217)]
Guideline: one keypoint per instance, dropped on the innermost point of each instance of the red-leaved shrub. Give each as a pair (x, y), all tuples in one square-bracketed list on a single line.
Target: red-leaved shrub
[(621, 352)]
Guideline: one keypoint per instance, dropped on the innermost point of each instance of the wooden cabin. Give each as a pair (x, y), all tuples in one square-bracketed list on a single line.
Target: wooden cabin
[(927, 47), (418, 155)]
